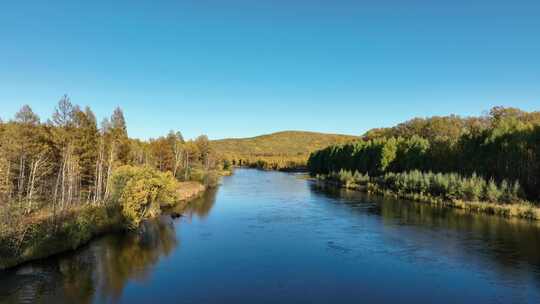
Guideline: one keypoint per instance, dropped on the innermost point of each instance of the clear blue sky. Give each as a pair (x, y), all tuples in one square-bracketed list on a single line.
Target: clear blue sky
[(242, 68)]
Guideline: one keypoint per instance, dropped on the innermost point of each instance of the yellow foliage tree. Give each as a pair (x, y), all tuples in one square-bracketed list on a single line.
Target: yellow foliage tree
[(142, 191)]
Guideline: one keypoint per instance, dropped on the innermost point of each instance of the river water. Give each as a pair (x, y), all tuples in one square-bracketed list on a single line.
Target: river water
[(270, 237)]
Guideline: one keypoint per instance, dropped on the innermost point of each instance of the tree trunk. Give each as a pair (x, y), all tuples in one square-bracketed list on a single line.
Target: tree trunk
[(186, 169), (20, 184), (109, 172)]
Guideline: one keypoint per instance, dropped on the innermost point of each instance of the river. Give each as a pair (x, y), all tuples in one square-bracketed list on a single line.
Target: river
[(271, 237)]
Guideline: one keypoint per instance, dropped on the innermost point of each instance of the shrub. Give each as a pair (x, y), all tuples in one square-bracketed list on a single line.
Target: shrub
[(226, 164), (492, 192), (473, 188), (516, 192), (450, 186), (140, 191)]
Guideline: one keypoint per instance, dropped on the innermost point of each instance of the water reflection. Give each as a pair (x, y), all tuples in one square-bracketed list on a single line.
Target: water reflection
[(201, 207), (511, 244), (273, 237), (122, 259), (98, 272)]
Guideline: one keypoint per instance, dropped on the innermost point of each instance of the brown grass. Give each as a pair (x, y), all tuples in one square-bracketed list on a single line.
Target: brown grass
[(190, 190)]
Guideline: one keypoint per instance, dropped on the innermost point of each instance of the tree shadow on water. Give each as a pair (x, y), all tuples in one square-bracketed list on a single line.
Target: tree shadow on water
[(507, 246), (98, 272)]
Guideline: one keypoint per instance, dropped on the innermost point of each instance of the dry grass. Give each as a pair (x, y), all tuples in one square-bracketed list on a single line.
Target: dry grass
[(520, 209), (41, 233), (190, 190), (524, 210)]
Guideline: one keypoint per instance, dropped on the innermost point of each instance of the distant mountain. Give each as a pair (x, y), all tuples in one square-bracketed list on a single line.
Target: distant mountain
[(277, 149)]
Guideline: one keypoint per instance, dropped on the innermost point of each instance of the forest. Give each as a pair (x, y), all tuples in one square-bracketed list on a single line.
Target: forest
[(494, 157), (70, 177), (286, 151)]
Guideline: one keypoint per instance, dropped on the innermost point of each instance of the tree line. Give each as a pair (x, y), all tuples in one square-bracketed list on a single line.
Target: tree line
[(271, 162), (287, 150), (502, 145), (69, 159)]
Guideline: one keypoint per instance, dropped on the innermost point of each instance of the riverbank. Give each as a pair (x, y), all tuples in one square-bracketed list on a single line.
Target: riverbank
[(514, 209), (291, 169), (27, 237), (190, 190)]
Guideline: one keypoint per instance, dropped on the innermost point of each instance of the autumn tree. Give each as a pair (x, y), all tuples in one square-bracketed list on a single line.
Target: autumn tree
[(86, 138), (119, 134), (176, 142)]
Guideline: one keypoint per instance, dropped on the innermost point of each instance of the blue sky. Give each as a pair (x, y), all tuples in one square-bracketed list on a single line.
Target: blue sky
[(242, 68)]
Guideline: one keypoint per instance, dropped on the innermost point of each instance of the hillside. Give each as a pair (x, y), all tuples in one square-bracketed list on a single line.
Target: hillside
[(279, 150)]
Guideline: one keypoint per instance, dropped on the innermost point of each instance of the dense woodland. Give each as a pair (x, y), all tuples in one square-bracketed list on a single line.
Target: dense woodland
[(501, 147), (288, 150), (69, 159), (67, 179)]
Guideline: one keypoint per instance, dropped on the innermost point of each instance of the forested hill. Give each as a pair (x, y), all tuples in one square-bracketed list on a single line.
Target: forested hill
[(277, 150), (502, 147)]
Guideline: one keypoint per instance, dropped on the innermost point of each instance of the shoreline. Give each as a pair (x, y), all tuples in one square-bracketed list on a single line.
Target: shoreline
[(525, 211), (78, 228), (301, 169)]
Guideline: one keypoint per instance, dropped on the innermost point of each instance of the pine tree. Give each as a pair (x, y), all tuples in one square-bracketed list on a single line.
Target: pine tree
[(119, 135)]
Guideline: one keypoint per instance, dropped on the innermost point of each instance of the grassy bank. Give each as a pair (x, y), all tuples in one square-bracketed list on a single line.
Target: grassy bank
[(472, 194), (139, 193), (29, 237)]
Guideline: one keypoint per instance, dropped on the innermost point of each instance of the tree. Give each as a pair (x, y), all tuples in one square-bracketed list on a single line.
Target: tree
[(26, 116), (203, 145), (119, 135), (176, 141), (162, 153), (85, 140), (67, 180), (191, 156), (68, 160), (63, 113), (504, 144)]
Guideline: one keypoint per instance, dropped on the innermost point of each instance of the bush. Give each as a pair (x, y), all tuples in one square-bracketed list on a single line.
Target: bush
[(473, 188), (226, 164), (492, 192), (449, 186), (140, 191), (209, 178)]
